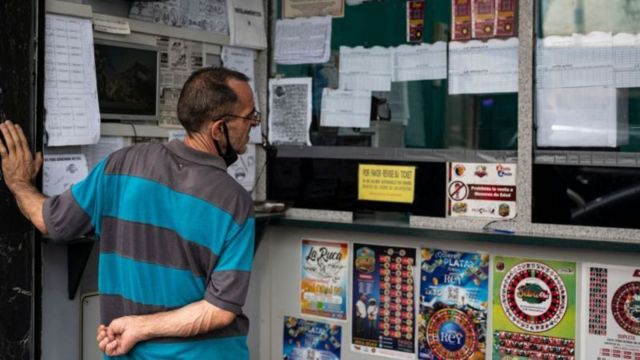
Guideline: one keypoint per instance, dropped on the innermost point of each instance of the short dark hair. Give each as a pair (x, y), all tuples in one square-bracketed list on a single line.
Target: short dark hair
[(206, 95)]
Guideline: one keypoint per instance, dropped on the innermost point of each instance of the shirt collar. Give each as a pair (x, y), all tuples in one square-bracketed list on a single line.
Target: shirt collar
[(179, 148)]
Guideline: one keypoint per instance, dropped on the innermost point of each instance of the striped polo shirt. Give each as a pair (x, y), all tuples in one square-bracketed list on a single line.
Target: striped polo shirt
[(174, 229)]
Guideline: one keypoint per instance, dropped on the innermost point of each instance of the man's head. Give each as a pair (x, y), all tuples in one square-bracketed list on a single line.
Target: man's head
[(218, 102)]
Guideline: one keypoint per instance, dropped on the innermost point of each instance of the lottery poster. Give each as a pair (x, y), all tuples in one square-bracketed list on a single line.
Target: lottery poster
[(534, 311), (383, 301), (323, 285), (305, 339), (461, 19), (611, 310), (452, 322), (484, 18)]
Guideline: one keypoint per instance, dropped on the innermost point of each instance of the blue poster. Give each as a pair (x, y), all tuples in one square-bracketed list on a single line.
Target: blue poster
[(452, 323), (383, 301), (305, 340)]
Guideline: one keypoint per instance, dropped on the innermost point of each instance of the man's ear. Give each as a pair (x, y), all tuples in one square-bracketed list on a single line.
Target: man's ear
[(216, 130)]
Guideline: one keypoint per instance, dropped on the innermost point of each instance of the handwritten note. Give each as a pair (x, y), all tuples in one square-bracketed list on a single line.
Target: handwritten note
[(290, 110)]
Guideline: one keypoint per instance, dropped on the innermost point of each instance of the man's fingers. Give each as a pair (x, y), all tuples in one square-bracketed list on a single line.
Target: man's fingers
[(37, 165), (3, 150), (8, 138), (15, 131)]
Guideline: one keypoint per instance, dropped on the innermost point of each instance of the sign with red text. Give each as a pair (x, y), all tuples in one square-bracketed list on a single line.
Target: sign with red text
[(485, 190)]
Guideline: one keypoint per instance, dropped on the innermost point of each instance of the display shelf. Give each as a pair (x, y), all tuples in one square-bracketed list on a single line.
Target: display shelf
[(396, 154), (587, 158)]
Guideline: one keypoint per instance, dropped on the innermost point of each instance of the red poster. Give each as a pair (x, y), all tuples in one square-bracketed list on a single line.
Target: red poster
[(484, 19), (461, 19), (507, 15)]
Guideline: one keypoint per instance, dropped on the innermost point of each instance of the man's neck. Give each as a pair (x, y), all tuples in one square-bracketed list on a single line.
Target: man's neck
[(200, 142)]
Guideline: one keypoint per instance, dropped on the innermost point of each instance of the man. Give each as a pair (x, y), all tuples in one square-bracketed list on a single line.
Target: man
[(361, 314), (176, 232)]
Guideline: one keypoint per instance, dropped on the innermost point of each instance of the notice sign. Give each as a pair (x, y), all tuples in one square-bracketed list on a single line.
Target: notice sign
[(481, 190), (386, 183)]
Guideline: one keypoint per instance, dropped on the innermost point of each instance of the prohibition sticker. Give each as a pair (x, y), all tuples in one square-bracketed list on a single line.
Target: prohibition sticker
[(533, 297), (451, 335), (625, 306), (458, 191)]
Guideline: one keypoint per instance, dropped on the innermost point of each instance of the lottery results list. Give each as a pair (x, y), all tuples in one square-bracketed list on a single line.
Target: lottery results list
[(533, 309), (611, 310), (383, 301), (452, 322)]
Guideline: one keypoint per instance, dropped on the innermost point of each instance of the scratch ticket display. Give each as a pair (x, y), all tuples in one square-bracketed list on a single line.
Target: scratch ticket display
[(415, 20), (611, 312), (461, 19), (484, 18), (452, 322), (383, 301), (305, 340), (323, 286), (506, 22), (533, 309)]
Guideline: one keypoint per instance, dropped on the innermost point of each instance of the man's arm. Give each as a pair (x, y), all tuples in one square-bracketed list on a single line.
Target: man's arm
[(196, 318), (20, 169)]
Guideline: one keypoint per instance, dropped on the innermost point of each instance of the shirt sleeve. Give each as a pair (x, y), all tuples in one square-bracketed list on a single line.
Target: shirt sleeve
[(75, 212), (229, 283)]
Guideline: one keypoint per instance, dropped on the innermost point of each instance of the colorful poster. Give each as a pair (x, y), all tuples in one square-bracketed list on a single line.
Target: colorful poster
[(534, 311), (323, 286), (610, 312), (415, 20), (484, 19), (507, 15), (452, 322), (461, 19), (305, 339), (481, 190), (383, 300)]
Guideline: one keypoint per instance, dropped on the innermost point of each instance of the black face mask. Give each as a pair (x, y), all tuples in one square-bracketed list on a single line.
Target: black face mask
[(230, 155)]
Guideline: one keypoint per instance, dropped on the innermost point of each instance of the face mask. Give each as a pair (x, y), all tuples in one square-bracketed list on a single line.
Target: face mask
[(230, 155)]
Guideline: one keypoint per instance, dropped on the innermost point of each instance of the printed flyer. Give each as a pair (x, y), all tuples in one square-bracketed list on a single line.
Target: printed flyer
[(383, 301), (481, 190), (534, 311), (454, 288), (305, 340), (610, 312), (323, 285)]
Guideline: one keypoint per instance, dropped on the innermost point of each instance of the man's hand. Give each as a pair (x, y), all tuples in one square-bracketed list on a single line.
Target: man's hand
[(19, 167), (120, 336)]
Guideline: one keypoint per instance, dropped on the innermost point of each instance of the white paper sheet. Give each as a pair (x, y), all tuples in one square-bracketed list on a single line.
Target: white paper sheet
[(303, 40), (243, 60), (421, 62), (176, 134), (581, 117), (107, 144), (72, 116), (244, 169), (208, 15), (344, 108), (626, 60), (62, 171), (575, 61), (246, 24), (110, 24), (477, 67), (365, 69), (289, 111)]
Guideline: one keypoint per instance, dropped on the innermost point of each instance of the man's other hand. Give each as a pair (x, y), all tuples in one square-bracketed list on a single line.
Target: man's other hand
[(18, 164)]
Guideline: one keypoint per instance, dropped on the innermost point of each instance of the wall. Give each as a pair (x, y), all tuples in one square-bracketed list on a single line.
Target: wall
[(278, 276)]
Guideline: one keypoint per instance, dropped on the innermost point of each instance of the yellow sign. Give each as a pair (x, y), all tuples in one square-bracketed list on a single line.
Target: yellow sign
[(386, 183)]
